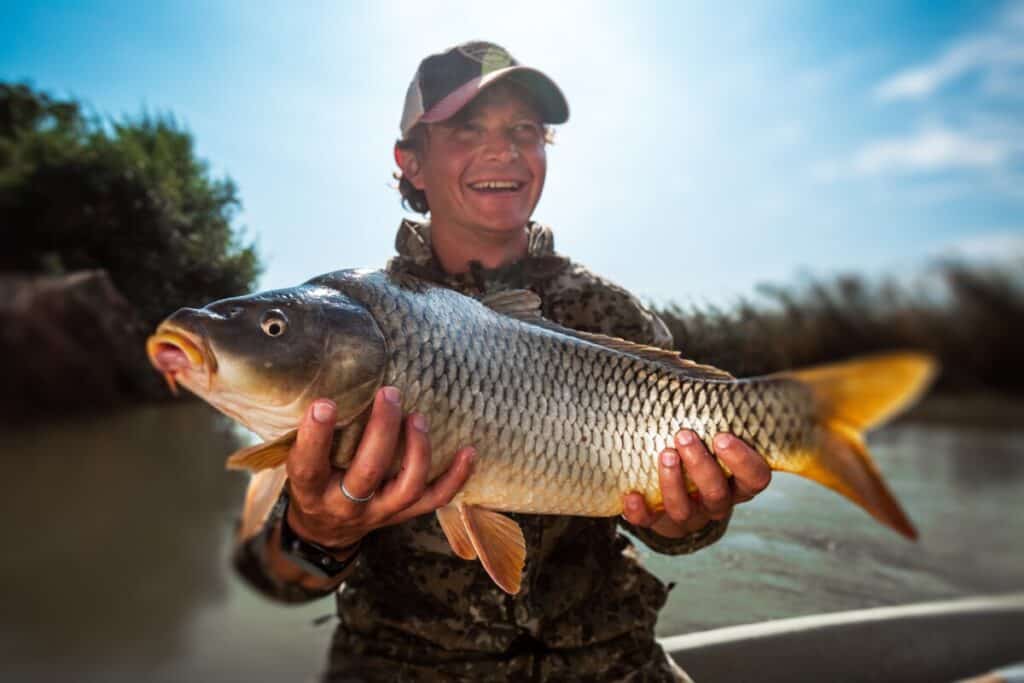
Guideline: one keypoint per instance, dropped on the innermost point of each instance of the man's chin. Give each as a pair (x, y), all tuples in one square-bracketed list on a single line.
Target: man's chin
[(504, 221)]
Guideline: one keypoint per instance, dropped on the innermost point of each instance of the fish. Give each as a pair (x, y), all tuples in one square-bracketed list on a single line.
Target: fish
[(564, 422)]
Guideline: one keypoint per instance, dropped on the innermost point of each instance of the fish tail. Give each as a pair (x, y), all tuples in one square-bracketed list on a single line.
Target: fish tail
[(852, 397)]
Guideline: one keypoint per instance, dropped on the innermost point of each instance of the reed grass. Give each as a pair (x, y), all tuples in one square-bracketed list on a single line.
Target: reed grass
[(970, 316)]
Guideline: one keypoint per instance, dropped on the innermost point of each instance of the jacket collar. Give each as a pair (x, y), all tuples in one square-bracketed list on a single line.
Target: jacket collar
[(416, 256)]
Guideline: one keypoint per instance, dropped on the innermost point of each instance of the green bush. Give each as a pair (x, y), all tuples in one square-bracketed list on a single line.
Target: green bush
[(77, 192)]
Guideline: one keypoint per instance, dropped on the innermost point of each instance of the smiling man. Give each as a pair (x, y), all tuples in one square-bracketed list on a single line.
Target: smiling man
[(473, 156)]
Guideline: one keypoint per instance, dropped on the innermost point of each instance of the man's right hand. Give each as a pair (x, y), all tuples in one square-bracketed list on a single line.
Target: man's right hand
[(318, 510)]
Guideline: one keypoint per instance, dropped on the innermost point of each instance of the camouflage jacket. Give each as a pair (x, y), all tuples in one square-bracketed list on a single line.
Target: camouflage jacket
[(586, 610)]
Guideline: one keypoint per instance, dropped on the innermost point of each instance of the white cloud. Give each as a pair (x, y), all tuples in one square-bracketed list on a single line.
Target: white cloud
[(970, 132), (929, 150), (997, 55), (1001, 245)]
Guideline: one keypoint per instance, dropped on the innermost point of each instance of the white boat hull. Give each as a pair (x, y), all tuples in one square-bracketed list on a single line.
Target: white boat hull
[(934, 641)]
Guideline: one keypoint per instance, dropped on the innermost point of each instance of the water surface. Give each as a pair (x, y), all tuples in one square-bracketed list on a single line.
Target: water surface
[(119, 530)]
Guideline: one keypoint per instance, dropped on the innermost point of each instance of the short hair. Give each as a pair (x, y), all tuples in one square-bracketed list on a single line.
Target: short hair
[(412, 198), (415, 141)]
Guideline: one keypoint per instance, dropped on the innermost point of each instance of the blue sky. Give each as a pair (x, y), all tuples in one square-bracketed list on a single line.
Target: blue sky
[(708, 148)]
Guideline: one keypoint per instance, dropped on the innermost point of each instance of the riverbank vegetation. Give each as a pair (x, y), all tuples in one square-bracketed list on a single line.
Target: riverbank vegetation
[(971, 316), (108, 226), (80, 192)]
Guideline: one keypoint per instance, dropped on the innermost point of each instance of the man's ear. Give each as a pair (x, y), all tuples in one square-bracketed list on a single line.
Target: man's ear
[(410, 165)]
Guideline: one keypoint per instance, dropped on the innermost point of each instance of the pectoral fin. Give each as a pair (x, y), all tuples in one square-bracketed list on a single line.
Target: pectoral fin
[(262, 456), (499, 544), (273, 453), (455, 532), (264, 490)]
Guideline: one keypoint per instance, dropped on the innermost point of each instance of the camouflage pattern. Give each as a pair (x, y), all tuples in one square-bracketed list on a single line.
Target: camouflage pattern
[(412, 610), (571, 294)]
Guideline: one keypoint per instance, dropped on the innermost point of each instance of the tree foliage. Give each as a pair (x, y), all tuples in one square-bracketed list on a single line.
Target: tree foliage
[(77, 192)]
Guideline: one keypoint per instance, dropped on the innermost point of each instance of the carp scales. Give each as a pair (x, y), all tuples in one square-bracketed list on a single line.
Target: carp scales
[(564, 422)]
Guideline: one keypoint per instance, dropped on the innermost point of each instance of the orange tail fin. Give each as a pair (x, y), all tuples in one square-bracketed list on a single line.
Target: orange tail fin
[(852, 397)]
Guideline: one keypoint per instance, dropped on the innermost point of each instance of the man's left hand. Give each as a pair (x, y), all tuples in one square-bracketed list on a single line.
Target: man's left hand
[(715, 496)]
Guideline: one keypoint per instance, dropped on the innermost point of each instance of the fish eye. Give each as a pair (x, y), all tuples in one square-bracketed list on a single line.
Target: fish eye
[(274, 323)]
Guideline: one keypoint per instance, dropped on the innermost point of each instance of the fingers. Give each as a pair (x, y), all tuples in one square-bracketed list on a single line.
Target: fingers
[(326, 515), (406, 488), (635, 510), (751, 474), (376, 449), (441, 491), (704, 471), (673, 487), (308, 464)]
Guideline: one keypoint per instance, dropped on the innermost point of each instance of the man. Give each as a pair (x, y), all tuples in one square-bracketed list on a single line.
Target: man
[(472, 153)]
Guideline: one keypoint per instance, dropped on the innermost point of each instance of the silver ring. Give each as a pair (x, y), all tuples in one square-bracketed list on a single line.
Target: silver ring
[(355, 499)]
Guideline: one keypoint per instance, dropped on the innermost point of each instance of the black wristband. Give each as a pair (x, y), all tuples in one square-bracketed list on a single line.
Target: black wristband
[(312, 557)]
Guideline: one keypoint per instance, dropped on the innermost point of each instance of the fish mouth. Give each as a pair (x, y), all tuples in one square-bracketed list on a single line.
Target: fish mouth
[(176, 352)]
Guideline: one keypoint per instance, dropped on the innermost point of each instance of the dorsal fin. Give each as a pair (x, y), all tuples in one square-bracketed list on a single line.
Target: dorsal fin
[(524, 305), (657, 354)]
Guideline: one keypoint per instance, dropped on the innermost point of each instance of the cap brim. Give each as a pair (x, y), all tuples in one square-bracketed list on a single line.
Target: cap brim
[(553, 105)]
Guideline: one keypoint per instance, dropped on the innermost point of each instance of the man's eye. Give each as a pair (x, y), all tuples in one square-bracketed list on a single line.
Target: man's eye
[(467, 131), (527, 132)]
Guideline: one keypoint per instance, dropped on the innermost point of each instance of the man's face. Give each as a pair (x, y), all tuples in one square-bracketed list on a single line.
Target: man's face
[(484, 169)]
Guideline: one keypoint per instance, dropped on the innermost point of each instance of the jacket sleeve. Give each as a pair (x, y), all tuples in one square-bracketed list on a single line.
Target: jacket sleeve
[(249, 560), (691, 543)]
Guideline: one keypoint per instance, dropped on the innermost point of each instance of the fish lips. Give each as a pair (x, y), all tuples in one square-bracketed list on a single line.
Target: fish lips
[(180, 351)]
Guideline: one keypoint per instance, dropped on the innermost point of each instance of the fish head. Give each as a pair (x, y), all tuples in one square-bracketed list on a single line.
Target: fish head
[(263, 358)]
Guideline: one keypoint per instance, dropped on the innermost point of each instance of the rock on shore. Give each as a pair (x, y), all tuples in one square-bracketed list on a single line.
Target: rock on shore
[(69, 343)]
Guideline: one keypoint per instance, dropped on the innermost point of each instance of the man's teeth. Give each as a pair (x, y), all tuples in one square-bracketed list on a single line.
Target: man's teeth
[(497, 185)]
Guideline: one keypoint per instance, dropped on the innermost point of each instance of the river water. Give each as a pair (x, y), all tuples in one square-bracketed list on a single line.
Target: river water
[(117, 534)]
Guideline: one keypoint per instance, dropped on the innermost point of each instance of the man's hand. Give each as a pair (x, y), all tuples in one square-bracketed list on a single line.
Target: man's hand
[(716, 496), (320, 512)]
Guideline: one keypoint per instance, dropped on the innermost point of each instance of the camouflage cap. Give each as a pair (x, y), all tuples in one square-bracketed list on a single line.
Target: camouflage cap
[(445, 82)]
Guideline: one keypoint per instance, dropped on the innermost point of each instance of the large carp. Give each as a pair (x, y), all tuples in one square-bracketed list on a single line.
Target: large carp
[(564, 422)]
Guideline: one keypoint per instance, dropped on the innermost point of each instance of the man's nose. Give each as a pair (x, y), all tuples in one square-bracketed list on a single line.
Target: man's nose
[(500, 147)]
